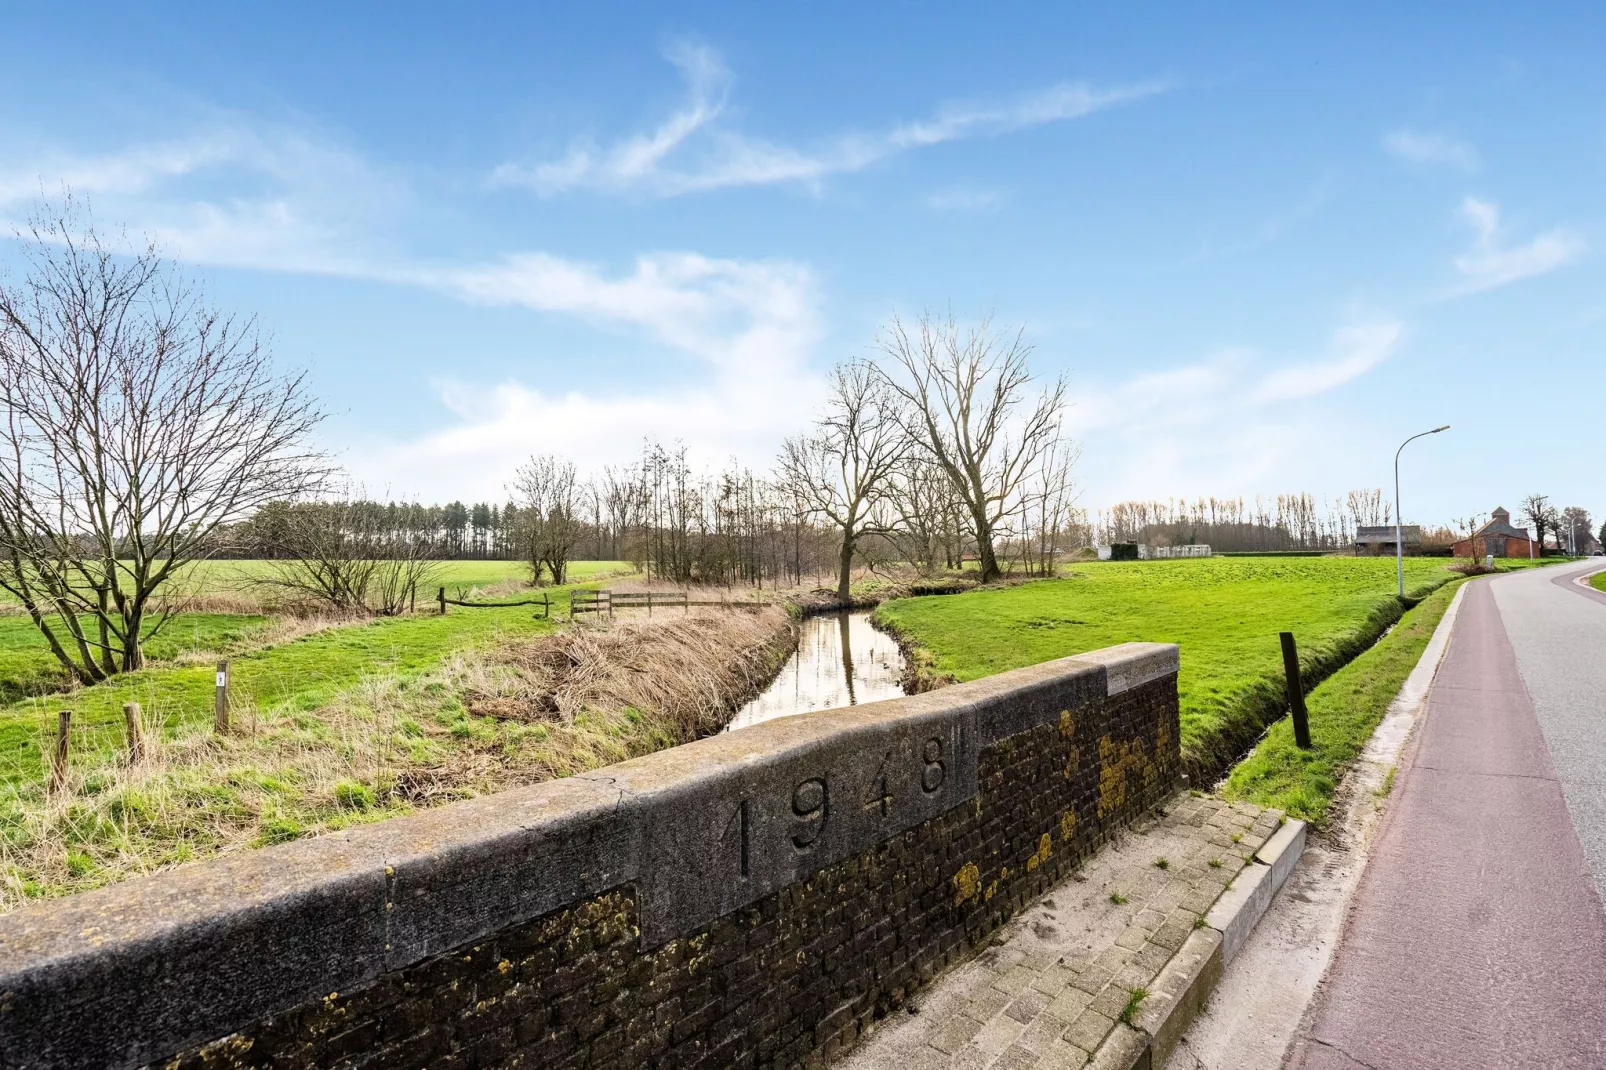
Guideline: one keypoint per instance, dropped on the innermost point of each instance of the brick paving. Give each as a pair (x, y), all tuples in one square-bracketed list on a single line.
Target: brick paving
[(1054, 983)]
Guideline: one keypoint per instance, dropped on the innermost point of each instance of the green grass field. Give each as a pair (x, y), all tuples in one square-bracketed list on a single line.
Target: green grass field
[(303, 672), (1343, 711), (1225, 613)]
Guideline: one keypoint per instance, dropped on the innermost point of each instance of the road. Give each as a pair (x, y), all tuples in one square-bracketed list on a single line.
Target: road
[(1477, 936)]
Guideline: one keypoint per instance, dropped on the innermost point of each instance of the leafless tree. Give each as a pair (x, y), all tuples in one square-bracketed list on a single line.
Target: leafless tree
[(1575, 531), (843, 471), (553, 524), (1536, 510), (138, 421), (351, 554), (966, 405), (922, 498)]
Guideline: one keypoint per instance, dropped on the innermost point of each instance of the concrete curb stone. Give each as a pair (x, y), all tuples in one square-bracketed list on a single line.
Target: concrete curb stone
[(1185, 984)]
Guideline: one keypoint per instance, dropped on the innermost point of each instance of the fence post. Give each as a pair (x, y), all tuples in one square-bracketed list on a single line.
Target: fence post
[(220, 699), (443, 601), (58, 762), (1296, 693), (133, 732)]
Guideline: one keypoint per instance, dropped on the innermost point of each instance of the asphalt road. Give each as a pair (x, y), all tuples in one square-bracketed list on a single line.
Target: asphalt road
[(1477, 936)]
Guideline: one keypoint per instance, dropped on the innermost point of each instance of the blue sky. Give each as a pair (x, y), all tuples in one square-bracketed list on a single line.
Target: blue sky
[(1263, 246)]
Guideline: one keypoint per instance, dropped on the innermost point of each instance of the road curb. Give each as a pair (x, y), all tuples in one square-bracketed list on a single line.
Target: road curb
[(1185, 984)]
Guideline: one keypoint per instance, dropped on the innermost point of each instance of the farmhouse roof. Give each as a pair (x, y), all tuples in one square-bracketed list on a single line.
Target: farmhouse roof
[(1499, 523), (1385, 533)]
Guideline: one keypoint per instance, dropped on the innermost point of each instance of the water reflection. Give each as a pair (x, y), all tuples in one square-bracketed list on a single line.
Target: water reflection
[(840, 661)]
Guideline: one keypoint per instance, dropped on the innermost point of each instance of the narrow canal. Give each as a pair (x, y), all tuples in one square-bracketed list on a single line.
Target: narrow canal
[(840, 661)]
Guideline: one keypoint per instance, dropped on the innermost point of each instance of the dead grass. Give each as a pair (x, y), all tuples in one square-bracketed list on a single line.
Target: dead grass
[(575, 700)]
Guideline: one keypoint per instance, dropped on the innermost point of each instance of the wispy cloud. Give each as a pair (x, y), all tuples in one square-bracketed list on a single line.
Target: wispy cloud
[(1432, 150), (1234, 421), (273, 200), (693, 150), (1491, 262), (1358, 351)]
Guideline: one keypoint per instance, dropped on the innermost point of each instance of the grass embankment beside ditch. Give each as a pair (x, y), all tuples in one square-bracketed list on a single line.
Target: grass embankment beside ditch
[(1344, 711), (362, 723), (1224, 613), (28, 668)]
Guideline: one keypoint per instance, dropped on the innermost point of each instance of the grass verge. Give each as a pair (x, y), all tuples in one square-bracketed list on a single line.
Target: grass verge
[(1224, 613), (1344, 711), (524, 710)]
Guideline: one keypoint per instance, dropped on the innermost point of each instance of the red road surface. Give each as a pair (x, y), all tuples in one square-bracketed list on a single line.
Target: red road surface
[(1476, 938)]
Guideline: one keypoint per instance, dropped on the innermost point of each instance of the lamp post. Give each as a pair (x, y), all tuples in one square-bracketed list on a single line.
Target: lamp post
[(1399, 541)]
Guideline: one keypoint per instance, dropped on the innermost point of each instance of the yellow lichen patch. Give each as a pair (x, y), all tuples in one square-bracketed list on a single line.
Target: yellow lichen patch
[(1067, 826), (967, 882), (1045, 849), (1116, 760)]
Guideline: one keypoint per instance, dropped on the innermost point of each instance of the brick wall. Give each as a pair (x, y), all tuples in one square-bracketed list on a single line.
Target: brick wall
[(751, 900)]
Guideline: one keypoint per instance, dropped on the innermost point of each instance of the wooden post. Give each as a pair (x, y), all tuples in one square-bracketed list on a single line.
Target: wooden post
[(58, 762), (443, 601), (134, 732), (1296, 693), (220, 699)]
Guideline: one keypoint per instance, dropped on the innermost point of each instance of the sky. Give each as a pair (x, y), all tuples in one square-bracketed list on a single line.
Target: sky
[(1263, 245)]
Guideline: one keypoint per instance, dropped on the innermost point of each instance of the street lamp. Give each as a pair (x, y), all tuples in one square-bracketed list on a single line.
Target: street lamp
[(1399, 541)]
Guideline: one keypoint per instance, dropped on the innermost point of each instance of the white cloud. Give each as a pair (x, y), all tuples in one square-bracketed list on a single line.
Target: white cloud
[(1431, 150), (1491, 263), (271, 200), (1228, 424), (752, 324), (1360, 349), (713, 156), (231, 194)]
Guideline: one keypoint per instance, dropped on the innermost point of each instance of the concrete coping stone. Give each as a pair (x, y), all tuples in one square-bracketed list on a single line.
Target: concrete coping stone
[(1291, 833), (152, 965)]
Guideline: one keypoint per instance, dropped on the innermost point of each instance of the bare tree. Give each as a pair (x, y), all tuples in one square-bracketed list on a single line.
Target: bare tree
[(967, 408), (552, 520), (138, 421), (843, 471), (923, 500), (1575, 523), (1536, 510)]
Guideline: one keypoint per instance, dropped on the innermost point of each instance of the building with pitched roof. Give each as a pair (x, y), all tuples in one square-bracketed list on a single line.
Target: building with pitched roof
[(1497, 538)]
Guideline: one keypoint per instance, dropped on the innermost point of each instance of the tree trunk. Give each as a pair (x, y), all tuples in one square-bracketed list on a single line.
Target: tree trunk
[(984, 549), (844, 575)]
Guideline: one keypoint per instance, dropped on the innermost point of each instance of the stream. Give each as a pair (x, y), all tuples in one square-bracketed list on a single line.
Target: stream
[(841, 660)]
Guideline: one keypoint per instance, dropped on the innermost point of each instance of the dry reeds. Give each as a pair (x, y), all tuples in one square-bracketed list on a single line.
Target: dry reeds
[(691, 672)]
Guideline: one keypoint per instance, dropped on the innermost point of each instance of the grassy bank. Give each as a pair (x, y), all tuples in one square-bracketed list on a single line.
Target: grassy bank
[(517, 704), (27, 667), (1344, 711), (1225, 614)]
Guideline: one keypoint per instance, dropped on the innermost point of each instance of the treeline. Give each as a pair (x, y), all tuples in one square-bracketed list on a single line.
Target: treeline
[(938, 454), (453, 531)]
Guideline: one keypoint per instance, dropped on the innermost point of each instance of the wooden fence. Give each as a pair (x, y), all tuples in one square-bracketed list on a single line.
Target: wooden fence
[(588, 601), (544, 602)]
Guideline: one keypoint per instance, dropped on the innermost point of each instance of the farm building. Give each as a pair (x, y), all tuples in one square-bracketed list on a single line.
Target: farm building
[(1497, 538), (1370, 541)]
